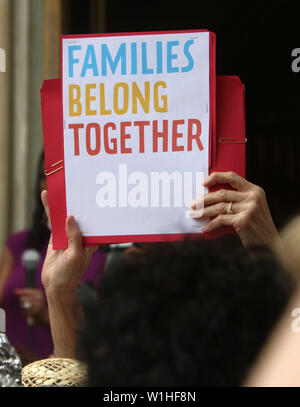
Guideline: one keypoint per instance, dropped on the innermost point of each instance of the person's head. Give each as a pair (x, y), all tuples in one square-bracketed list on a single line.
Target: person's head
[(182, 314), (288, 247)]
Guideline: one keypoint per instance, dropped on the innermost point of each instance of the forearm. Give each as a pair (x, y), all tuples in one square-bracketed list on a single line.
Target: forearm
[(61, 274), (65, 313)]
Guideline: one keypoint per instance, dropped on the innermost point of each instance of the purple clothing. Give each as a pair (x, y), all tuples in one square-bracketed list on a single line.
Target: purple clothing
[(16, 324)]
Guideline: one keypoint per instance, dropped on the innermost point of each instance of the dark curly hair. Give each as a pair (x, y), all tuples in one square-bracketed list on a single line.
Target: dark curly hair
[(188, 314)]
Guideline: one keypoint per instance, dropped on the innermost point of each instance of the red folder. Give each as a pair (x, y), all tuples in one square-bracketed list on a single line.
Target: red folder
[(53, 146), (227, 147)]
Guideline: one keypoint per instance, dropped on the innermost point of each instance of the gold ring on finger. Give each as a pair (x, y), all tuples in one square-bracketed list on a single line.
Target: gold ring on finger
[(229, 210)]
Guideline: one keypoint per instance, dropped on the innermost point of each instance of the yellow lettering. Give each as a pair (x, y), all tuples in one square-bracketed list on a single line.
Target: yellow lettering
[(75, 100), (137, 95), (89, 99), (124, 86), (103, 109), (164, 98)]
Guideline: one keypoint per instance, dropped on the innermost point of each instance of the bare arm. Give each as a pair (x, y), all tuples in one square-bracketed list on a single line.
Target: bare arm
[(6, 267), (61, 274), (65, 315)]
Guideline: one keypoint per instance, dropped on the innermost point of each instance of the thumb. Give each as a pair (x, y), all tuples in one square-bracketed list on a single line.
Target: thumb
[(73, 234), (45, 201)]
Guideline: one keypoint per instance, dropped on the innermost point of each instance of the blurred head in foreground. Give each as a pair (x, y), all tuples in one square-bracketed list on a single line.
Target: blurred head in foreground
[(183, 314), (288, 248)]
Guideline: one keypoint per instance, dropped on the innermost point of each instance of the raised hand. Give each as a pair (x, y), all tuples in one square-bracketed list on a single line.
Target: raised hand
[(245, 209)]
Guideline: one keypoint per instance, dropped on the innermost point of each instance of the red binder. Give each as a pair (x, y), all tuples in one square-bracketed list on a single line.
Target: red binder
[(227, 147)]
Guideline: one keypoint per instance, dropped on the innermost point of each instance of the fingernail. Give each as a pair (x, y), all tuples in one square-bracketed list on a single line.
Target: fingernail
[(194, 204), (72, 221), (194, 215)]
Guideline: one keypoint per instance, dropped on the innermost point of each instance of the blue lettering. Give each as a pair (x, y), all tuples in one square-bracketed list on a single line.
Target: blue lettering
[(72, 60), (159, 66), (133, 59), (145, 69), (170, 56), (190, 59), (90, 54), (121, 55)]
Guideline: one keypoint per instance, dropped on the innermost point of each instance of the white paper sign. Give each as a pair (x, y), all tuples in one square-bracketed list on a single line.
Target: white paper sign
[(136, 131)]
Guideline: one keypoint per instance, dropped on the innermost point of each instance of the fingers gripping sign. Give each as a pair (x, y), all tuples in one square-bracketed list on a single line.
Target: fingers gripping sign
[(245, 209)]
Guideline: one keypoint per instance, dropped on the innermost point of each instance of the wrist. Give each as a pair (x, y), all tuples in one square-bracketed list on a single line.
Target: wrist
[(65, 314), (66, 292), (66, 299)]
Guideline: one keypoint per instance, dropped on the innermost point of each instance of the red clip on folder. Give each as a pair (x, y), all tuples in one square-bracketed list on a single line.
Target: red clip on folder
[(227, 147)]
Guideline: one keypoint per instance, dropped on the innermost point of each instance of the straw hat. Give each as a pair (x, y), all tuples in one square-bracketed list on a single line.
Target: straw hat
[(54, 372)]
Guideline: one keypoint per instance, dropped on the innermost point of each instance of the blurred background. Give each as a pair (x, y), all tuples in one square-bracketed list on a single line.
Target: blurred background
[(254, 41)]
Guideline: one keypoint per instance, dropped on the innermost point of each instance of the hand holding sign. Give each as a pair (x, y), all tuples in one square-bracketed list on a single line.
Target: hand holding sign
[(63, 269)]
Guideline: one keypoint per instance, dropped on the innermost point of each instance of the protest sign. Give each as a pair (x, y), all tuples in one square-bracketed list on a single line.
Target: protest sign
[(137, 122), (138, 112), (134, 135)]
